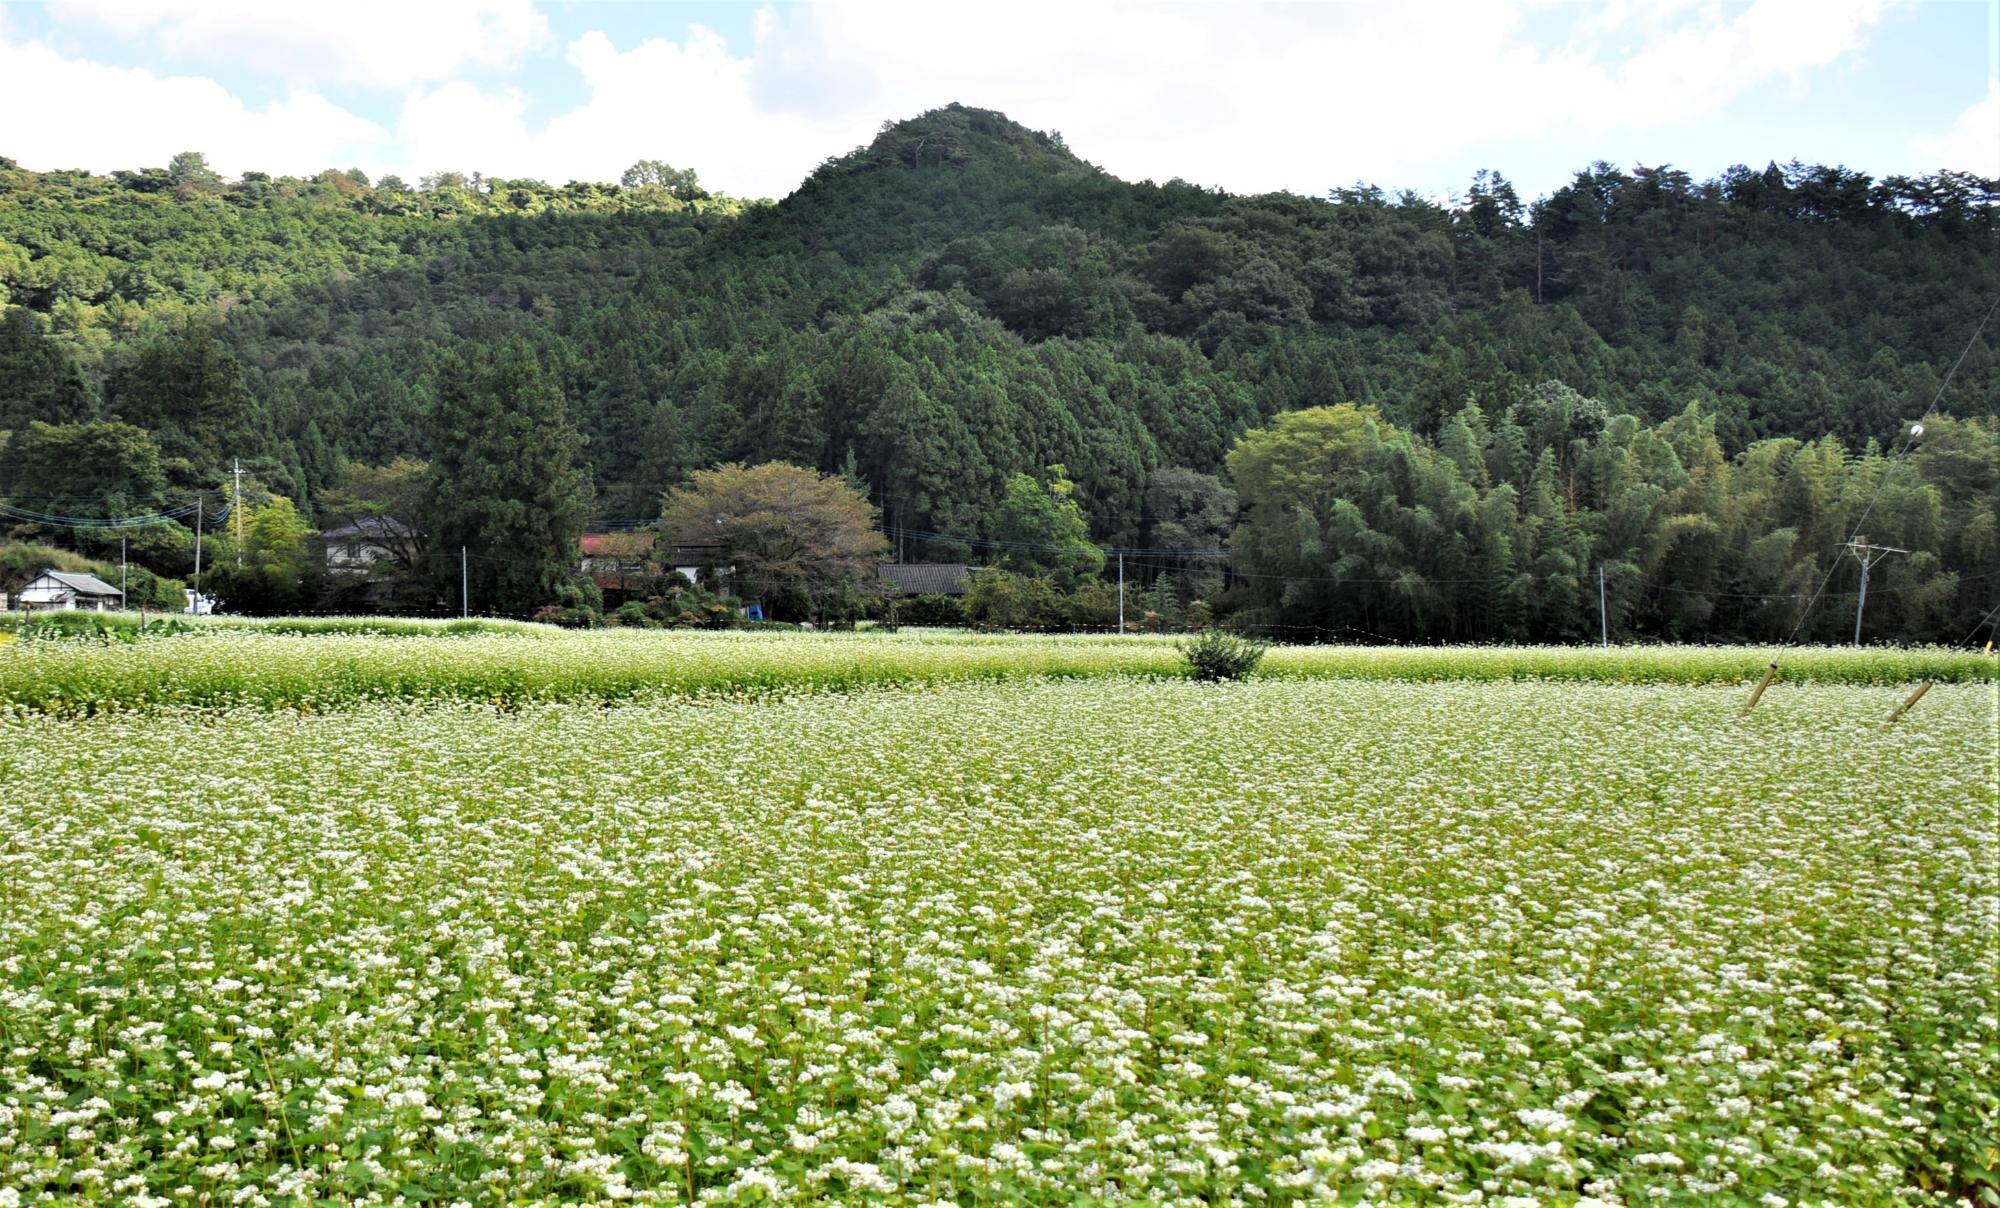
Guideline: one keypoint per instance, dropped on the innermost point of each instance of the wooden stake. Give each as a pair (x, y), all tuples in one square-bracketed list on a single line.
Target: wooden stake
[(1905, 706), (1770, 674)]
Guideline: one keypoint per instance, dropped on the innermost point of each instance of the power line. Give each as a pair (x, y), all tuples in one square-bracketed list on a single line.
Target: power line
[(54, 520), (1045, 547), (1993, 614), (1915, 430)]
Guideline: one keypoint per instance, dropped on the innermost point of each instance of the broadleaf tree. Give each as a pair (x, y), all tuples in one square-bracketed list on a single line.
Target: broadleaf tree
[(802, 543)]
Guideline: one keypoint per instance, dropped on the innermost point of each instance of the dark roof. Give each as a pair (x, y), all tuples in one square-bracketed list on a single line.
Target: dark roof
[(925, 578), (89, 585), (371, 528)]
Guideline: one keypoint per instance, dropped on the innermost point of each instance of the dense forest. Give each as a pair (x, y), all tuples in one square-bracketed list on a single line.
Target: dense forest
[(1457, 413)]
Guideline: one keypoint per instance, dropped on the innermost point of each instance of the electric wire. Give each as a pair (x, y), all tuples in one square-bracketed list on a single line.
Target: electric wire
[(1909, 439)]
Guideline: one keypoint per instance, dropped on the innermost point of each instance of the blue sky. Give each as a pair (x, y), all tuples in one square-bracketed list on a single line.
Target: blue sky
[(1301, 96)]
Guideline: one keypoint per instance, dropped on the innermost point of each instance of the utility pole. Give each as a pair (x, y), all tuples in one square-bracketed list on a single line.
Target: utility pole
[(1121, 591), (1603, 618), (464, 606), (236, 506), (195, 608), (1867, 555), (121, 571)]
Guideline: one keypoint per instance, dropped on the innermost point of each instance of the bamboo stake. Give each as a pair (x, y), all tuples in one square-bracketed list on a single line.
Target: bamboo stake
[(1905, 706), (1770, 674)]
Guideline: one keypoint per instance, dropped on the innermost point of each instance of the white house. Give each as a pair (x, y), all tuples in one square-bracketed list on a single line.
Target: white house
[(355, 548), (57, 589)]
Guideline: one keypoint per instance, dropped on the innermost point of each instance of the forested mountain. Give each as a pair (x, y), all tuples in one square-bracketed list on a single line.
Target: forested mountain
[(964, 300)]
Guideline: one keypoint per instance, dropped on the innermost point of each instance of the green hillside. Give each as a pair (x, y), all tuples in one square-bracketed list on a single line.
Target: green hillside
[(964, 300)]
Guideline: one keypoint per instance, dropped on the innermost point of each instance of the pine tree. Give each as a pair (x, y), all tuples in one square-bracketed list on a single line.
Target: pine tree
[(504, 483)]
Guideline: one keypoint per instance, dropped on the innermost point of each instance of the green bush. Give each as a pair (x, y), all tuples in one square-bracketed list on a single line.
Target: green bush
[(79, 626), (97, 626), (999, 599), (1215, 655), (935, 610), (632, 612)]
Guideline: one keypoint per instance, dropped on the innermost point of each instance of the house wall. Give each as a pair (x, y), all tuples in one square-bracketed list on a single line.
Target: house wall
[(71, 602), (356, 556)]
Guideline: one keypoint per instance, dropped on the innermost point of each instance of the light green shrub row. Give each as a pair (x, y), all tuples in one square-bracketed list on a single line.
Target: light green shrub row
[(321, 668)]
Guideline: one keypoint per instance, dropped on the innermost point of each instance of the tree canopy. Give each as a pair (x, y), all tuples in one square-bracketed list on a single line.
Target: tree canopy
[(797, 540), (964, 301), (505, 483)]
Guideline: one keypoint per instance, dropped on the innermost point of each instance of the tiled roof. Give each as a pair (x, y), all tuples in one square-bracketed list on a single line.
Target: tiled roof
[(89, 585), (925, 578)]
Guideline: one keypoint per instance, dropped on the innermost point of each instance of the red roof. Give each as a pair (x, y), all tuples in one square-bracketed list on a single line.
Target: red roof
[(617, 544)]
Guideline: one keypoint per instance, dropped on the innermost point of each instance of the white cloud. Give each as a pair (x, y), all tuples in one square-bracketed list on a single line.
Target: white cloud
[(689, 103), (1694, 66), (1248, 96), (117, 117), (365, 43), (1973, 145)]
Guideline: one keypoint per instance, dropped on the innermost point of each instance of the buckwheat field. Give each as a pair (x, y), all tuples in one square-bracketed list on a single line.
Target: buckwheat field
[(1085, 934)]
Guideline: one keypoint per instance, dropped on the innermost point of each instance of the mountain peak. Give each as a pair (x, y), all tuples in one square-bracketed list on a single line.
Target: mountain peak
[(954, 136)]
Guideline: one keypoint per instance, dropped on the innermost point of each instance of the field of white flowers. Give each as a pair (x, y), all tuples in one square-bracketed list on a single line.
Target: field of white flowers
[(1022, 942), (289, 664)]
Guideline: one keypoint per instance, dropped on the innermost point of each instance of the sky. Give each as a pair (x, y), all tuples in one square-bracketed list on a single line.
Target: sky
[(1249, 97)]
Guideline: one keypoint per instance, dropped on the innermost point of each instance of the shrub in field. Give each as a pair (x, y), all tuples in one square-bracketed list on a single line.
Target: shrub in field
[(1215, 655), (81, 626)]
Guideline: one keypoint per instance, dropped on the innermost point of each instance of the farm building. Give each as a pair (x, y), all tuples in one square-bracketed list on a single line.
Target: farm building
[(61, 589), (925, 578), (356, 547), (624, 561), (614, 560)]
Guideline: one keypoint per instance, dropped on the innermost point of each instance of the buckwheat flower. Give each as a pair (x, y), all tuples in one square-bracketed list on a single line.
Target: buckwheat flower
[(1006, 1094), (1544, 1120)]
